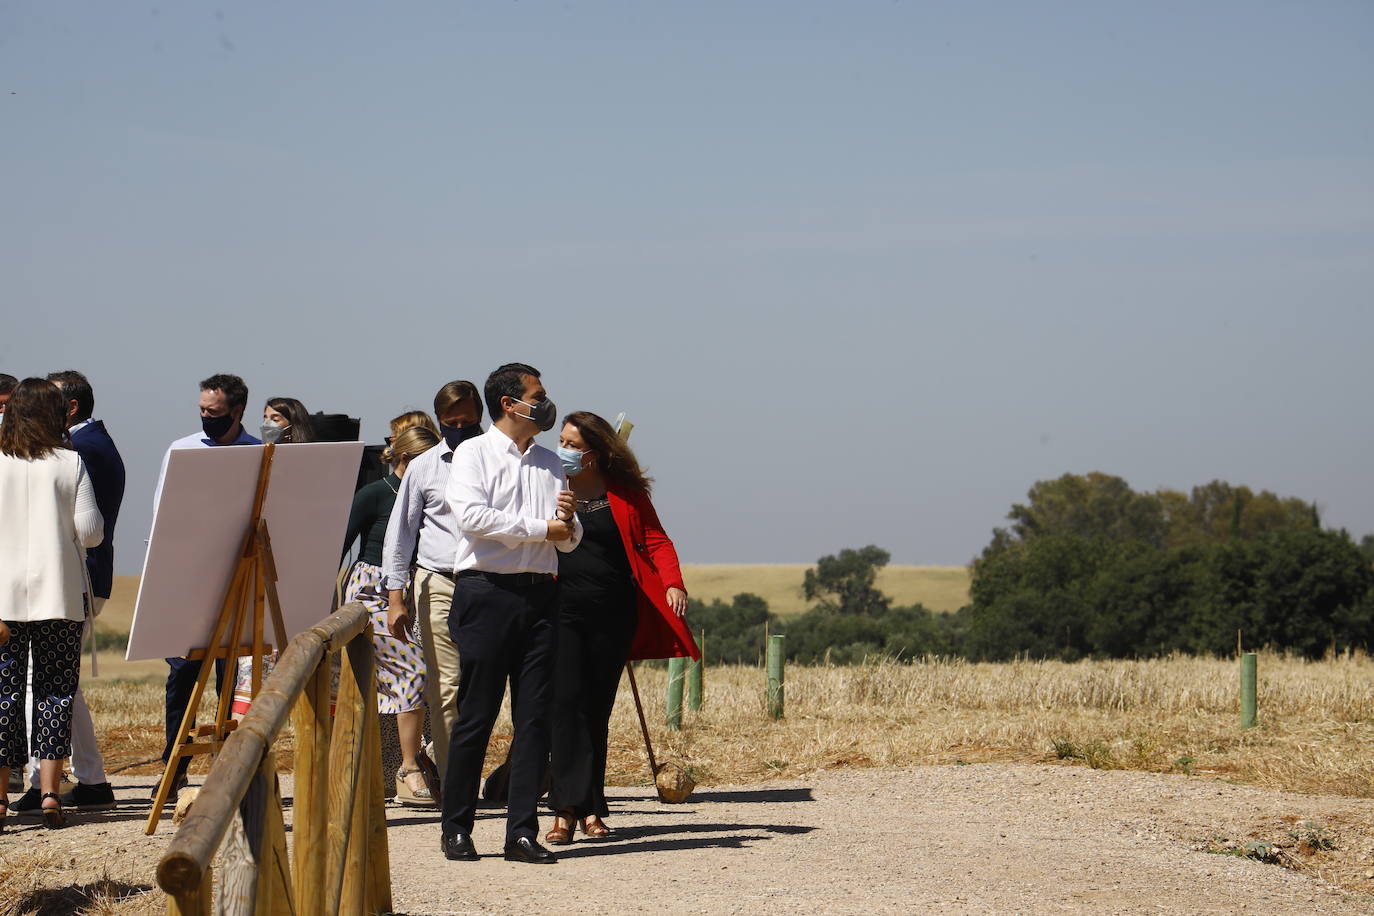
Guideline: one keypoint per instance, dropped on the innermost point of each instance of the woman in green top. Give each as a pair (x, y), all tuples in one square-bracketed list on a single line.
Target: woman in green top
[(400, 666)]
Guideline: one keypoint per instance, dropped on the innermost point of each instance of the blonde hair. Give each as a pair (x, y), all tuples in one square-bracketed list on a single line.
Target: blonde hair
[(412, 418), (411, 443)]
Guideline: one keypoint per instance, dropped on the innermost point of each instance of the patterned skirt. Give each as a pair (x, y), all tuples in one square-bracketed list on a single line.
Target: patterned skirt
[(400, 666)]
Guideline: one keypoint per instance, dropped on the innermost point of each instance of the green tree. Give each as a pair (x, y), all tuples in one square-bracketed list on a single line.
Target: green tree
[(1034, 599), (734, 631), (1298, 589), (1367, 547), (1094, 505), (843, 583), (1217, 511)]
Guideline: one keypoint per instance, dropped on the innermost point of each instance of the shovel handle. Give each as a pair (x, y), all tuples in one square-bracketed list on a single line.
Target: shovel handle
[(643, 725)]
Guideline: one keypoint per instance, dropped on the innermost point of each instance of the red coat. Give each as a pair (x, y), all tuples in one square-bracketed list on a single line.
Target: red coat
[(654, 565)]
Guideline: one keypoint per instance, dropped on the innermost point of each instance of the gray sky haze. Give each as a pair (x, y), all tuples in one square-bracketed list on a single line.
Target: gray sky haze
[(860, 272)]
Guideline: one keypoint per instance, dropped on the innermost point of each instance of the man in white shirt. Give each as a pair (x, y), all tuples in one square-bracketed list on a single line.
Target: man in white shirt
[(223, 398), (513, 511), (421, 529)]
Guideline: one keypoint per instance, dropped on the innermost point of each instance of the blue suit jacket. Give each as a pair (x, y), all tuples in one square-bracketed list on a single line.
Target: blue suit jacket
[(98, 452)]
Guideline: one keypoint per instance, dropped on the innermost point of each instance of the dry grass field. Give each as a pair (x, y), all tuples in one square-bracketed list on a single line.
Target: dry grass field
[(940, 588), (1316, 731), (1176, 715)]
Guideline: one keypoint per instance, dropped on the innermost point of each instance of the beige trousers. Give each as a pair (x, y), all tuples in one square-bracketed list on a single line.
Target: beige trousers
[(433, 597)]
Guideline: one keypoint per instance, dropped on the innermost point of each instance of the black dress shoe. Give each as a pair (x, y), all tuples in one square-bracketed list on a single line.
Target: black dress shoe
[(458, 847), (527, 849)]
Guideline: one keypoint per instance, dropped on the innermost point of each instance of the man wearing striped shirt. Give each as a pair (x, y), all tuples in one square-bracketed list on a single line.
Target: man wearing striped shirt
[(421, 531)]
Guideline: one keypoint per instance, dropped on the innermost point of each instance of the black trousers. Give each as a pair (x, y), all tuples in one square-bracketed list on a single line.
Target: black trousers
[(591, 656), (56, 647), (181, 683), (503, 633)]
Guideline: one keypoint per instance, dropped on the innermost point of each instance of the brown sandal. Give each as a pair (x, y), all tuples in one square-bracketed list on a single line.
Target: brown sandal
[(561, 833), (595, 828)]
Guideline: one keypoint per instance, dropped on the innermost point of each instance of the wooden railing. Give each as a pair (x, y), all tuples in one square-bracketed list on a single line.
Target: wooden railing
[(341, 863)]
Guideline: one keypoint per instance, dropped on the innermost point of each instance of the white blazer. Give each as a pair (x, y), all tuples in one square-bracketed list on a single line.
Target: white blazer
[(48, 515)]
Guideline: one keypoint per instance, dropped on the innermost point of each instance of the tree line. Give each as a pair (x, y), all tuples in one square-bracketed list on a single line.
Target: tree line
[(1089, 567)]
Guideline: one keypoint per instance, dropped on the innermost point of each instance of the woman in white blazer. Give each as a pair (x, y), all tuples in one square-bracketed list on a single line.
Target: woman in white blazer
[(48, 516)]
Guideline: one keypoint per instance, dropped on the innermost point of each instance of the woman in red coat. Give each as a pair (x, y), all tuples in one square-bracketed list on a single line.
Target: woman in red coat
[(620, 596)]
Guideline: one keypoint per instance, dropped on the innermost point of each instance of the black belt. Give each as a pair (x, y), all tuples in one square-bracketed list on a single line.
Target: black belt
[(507, 579)]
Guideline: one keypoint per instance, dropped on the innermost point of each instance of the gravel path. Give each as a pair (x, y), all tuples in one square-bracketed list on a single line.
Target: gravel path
[(964, 839), (971, 839)]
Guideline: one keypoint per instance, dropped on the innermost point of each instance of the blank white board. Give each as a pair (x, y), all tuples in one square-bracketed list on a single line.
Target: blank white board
[(199, 527)]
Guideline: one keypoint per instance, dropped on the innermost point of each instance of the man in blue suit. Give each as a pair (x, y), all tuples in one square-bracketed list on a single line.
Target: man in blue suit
[(106, 469)]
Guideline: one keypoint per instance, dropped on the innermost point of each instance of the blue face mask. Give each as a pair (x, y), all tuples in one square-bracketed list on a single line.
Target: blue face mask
[(572, 460), (456, 435)]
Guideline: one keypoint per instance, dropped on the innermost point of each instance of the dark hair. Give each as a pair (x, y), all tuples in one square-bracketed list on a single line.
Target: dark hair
[(613, 456), (75, 387), (505, 382), (35, 420), (235, 391), (453, 393), (302, 430), (7, 383)]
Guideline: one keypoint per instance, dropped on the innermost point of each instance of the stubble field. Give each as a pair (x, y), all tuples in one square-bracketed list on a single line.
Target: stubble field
[(1172, 716)]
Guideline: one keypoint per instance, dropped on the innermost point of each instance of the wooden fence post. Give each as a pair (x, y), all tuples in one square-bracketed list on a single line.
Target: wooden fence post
[(358, 875), (1249, 702), (196, 903), (345, 757), (376, 850), (694, 676), (311, 802), (775, 676), (674, 702)]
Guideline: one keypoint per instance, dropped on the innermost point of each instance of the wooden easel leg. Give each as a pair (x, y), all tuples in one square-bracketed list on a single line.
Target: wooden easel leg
[(255, 679), (226, 697), (232, 599)]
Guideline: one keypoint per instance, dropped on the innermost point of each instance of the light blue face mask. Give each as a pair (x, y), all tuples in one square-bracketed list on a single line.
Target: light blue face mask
[(572, 460)]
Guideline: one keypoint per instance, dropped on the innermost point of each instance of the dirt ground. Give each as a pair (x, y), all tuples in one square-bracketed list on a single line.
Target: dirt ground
[(992, 838)]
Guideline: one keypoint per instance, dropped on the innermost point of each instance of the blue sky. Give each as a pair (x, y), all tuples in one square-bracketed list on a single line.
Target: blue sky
[(861, 272)]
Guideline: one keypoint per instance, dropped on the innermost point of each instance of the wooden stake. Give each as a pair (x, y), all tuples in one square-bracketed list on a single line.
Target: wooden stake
[(673, 703), (694, 676), (378, 853), (1249, 703), (643, 725), (775, 676), (198, 902), (311, 803), (345, 754), (359, 654)]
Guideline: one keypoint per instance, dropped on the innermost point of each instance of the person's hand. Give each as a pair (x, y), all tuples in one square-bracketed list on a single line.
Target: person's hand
[(398, 621), (4, 632), (677, 600), (559, 530), (567, 506)]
